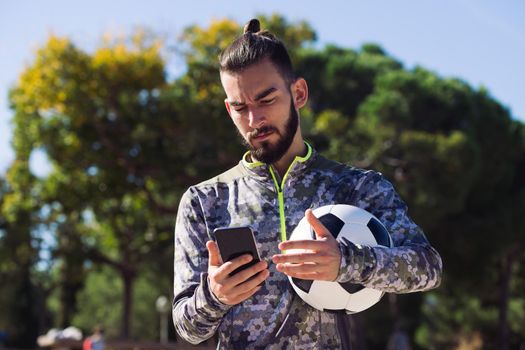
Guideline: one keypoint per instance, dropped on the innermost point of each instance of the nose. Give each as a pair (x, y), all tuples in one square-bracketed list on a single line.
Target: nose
[(256, 118)]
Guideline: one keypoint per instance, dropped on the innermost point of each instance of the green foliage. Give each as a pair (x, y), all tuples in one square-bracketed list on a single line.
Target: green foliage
[(18, 254), (453, 317), (342, 78), (100, 304), (93, 115), (293, 35), (454, 155)]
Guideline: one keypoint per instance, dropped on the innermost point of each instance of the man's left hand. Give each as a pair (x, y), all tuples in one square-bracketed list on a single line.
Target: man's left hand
[(320, 259)]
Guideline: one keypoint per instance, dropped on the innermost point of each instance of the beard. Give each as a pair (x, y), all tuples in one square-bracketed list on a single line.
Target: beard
[(270, 153)]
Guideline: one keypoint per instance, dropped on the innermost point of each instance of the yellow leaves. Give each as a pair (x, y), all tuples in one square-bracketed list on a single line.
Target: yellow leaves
[(29, 109), (71, 140), (331, 121), (56, 71), (209, 92), (20, 198), (120, 51), (130, 62), (202, 94), (12, 205), (205, 44), (64, 86), (19, 175), (122, 55), (219, 33), (57, 44)]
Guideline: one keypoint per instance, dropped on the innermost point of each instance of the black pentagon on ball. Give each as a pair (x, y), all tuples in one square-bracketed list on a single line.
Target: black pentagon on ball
[(352, 287), (303, 285), (379, 231), (332, 224)]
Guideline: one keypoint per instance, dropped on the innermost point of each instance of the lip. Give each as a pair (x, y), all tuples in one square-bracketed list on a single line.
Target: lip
[(263, 136)]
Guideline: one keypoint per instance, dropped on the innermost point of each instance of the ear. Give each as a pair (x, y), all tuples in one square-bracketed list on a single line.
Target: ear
[(299, 90), (228, 107)]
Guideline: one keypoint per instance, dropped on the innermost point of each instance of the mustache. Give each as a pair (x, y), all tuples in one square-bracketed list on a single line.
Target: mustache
[(263, 130)]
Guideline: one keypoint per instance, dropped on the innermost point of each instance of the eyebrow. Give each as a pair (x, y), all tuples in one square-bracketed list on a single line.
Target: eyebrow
[(257, 97)]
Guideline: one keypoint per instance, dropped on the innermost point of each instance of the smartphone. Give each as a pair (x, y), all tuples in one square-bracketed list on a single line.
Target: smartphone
[(234, 242)]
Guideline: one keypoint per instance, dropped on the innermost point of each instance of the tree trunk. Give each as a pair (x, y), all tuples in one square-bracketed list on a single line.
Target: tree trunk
[(128, 277), (72, 273), (507, 262), (72, 282)]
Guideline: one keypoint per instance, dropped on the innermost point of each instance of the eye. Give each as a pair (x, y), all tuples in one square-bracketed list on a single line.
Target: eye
[(240, 108), (267, 102)]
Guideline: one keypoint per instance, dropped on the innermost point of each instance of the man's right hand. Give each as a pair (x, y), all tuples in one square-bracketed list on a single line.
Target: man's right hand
[(234, 289)]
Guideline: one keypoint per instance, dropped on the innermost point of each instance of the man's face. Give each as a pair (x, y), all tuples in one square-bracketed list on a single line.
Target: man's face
[(261, 105)]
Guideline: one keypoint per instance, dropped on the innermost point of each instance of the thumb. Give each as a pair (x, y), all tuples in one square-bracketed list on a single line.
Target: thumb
[(213, 254), (320, 230)]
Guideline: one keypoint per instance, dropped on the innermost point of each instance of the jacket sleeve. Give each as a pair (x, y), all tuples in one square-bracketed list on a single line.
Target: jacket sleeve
[(196, 311), (411, 265)]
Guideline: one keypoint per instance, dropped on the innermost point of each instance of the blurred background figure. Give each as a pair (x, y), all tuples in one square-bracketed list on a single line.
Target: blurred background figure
[(96, 340)]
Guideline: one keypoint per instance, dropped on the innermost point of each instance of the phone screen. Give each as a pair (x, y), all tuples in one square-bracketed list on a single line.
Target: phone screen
[(234, 242)]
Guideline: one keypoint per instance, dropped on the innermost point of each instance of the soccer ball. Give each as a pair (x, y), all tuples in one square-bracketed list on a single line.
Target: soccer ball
[(346, 223)]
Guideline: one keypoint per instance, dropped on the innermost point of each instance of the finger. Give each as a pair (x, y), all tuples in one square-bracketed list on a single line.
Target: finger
[(300, 268), (242, 297), (252, 283), (308, 244), (299, 257), (305, 272), (319, 229), (244, 275), (213, 253), (229, 266), (307, 276)]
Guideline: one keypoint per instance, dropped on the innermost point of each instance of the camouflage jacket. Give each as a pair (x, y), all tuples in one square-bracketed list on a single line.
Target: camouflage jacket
[(251, 194)]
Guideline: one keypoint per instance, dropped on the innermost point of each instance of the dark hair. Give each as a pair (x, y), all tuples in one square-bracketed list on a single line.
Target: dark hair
[(254, 46)]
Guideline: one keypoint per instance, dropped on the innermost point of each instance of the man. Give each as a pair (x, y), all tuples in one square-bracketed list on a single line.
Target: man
[(270, 190)]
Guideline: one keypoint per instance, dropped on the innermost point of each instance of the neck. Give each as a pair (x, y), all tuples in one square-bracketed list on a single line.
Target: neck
[(297, 148)]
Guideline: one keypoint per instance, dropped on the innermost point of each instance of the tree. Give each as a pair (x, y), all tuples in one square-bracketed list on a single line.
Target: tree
[(97, 118), (452, 152)]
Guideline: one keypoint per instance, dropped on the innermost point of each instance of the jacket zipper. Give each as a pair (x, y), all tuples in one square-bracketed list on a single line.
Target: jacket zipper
[(280, 189), (280, 197)]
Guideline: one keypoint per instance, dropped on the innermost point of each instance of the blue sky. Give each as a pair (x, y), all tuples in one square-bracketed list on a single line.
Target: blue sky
[(479, 41)]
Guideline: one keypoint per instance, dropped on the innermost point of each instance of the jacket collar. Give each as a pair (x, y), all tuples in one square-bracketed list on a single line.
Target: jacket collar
[(260, 169)]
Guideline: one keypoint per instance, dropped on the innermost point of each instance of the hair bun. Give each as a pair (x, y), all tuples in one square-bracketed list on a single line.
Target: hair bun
[(253, 26)]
